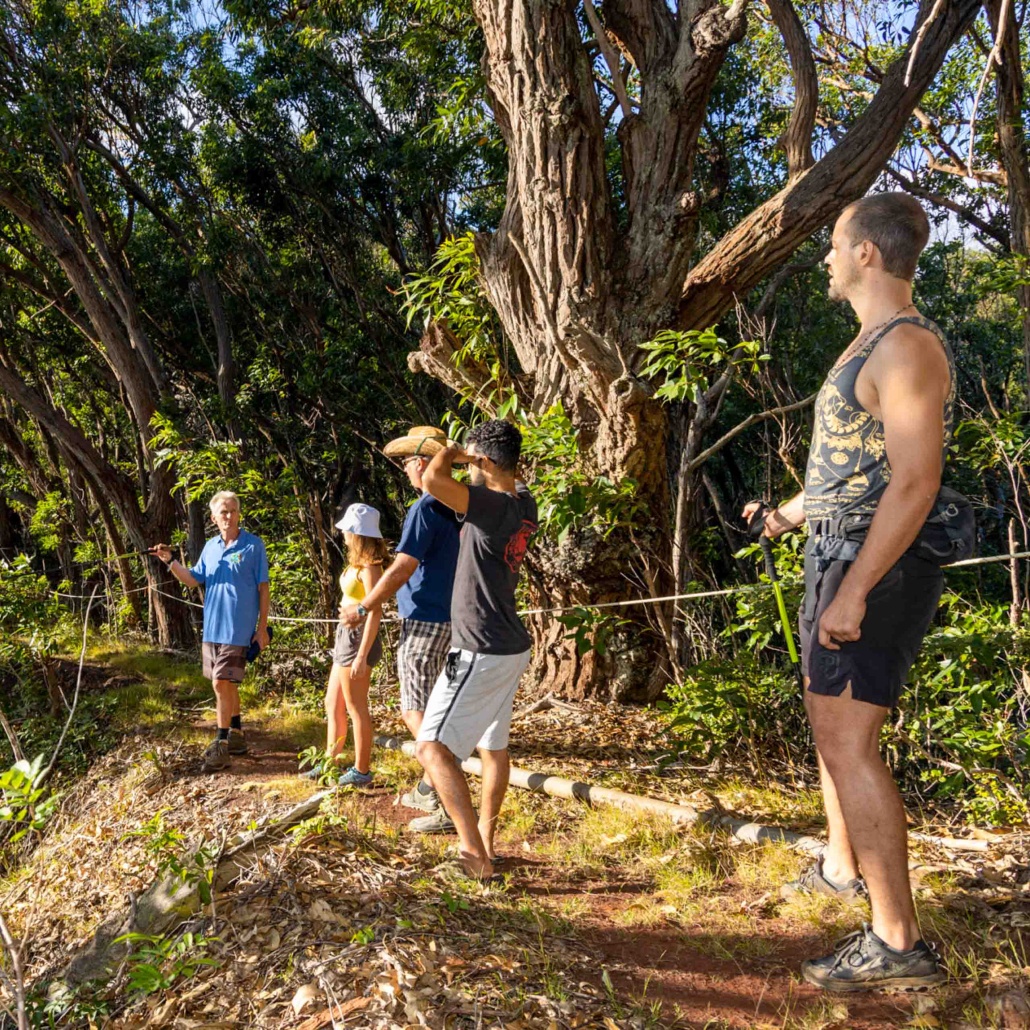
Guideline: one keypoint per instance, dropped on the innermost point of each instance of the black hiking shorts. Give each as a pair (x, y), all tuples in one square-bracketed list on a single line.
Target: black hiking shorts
[(899, 610)]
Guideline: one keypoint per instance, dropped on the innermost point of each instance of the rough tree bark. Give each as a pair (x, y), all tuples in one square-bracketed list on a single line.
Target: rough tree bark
[(1012, 144), (577, 285)]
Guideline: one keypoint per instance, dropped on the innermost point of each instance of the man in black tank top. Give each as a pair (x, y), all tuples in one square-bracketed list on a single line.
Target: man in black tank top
[(881, 424)]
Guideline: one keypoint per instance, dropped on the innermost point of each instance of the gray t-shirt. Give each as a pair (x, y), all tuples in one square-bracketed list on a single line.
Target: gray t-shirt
[(494, 538)]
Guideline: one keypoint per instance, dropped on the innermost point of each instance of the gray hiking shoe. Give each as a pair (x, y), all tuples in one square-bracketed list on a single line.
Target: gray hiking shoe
[(438, 822), (423, 802), (216, 757), (814, 881), (862, 962), (237, 742)]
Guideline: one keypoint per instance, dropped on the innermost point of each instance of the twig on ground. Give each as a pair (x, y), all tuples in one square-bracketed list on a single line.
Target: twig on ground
[(12, 737), (13, 948), (48, 771)]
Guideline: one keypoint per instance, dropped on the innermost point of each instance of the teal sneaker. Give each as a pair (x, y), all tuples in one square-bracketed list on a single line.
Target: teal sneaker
[(353, 778)]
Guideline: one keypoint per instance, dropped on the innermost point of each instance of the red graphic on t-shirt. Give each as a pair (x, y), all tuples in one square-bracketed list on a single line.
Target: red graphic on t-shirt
[(518, 544)]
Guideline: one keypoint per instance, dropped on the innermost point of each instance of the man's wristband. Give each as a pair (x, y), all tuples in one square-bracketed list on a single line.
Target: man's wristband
[(362, 611)]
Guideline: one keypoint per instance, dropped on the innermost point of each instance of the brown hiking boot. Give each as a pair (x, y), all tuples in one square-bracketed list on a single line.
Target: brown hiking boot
[(216, 757), (237, 742)]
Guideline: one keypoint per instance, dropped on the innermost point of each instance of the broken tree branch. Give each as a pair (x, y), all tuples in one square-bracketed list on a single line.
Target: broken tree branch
[(13, 948), (758, 416)]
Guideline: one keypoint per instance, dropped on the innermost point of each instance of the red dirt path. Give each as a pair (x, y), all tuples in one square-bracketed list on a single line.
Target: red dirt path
[(649, 963)]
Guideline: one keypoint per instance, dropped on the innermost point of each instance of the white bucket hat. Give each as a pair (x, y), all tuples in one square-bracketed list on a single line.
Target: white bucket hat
[(361, 519)]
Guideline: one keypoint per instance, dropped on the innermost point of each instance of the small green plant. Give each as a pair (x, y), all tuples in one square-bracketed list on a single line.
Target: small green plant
[(24, 805), (568, 496), (590, 628), (167, 846), (156, 962), (315, 758)]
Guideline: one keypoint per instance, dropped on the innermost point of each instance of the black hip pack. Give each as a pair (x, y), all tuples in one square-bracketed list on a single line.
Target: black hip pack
[(948, 534)]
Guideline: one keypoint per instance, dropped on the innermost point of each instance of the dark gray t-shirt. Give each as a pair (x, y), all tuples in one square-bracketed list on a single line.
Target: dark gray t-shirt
[(494, 537)]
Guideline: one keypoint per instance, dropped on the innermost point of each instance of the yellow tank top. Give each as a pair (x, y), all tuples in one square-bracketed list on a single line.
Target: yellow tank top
[(351, 585)]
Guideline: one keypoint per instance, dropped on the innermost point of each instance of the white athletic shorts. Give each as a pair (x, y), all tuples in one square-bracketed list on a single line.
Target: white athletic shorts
[(470, 704)]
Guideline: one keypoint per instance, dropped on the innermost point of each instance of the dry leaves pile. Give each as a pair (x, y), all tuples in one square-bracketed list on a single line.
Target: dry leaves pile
[(335, 927), (86, 865), (326, 925)]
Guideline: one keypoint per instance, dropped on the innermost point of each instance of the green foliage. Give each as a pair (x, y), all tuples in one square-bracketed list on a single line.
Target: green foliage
[(24, 805), (168, 849), (590, 628), (450, 291), (686, 361), (156, 962), (568, 496), (51, 512)]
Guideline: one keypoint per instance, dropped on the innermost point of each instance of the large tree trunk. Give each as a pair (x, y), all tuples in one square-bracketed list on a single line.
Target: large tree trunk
[(1012, 142), (577, 290)]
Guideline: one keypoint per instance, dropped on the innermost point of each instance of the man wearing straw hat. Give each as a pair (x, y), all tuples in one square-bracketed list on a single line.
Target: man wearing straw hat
[(422, 577)]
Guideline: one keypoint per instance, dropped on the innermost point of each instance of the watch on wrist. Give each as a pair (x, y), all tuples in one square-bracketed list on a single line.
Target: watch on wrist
[(362, 611)]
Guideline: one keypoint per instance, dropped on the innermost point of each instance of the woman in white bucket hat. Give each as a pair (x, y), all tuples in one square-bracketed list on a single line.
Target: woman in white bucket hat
[(356, 651)]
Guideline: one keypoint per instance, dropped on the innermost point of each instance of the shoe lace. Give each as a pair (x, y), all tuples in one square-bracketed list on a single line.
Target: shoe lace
[(848, 946)]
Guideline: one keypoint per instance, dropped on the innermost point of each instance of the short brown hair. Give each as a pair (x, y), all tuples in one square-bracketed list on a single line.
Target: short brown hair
[(363, 551), (896, 223)]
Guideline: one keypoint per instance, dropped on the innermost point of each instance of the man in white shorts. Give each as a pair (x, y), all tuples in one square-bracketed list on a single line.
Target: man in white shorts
[(470, 706)]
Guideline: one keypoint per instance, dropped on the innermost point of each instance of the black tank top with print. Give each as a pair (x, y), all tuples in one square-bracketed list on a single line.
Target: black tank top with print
[(848, 468)]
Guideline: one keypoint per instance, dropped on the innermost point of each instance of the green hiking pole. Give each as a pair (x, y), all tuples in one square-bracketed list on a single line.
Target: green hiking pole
[(754, 527)]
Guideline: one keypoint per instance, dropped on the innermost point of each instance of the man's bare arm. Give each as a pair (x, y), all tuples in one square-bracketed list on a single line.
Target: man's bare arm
[(911, 379), (180, 572), (401, 569), (783, 518), (439, 481)]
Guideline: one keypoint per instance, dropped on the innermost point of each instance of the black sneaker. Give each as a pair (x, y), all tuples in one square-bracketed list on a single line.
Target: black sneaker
[(813, 881), (237, 742), (862, 962)]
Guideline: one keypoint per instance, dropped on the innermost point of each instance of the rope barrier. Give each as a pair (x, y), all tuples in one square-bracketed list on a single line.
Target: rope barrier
[(745, 588)]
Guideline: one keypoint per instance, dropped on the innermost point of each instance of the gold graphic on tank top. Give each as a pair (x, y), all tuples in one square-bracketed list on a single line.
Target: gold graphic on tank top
[(847, 463)]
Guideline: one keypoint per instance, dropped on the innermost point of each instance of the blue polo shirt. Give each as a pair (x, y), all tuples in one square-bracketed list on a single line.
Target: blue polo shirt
[(230, 575), (430, 535)]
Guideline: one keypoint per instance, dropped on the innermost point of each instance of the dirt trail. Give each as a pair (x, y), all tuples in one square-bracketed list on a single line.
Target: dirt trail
[(685, 970)]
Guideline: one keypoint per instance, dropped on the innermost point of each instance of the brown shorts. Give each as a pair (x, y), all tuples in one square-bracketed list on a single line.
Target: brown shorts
[(345, 647), (224, 662)]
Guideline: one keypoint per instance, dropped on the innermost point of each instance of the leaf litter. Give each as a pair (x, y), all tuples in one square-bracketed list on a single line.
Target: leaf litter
[(337, 927)]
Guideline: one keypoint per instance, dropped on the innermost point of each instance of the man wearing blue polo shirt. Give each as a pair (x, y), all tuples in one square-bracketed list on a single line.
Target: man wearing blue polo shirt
[(233, 569), (422, 577)]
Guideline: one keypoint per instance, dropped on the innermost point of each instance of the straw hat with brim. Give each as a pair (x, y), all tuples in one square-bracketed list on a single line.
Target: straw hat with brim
[(420, 442)]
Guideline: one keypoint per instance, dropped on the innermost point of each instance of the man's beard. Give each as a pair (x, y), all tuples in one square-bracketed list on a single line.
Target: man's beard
[(838, 288)]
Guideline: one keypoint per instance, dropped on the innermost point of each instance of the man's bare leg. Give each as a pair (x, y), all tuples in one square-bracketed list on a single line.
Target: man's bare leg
[(839, 862), (496, 768), (847, 734), (227, 702), (438, 760), (413, 720)]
